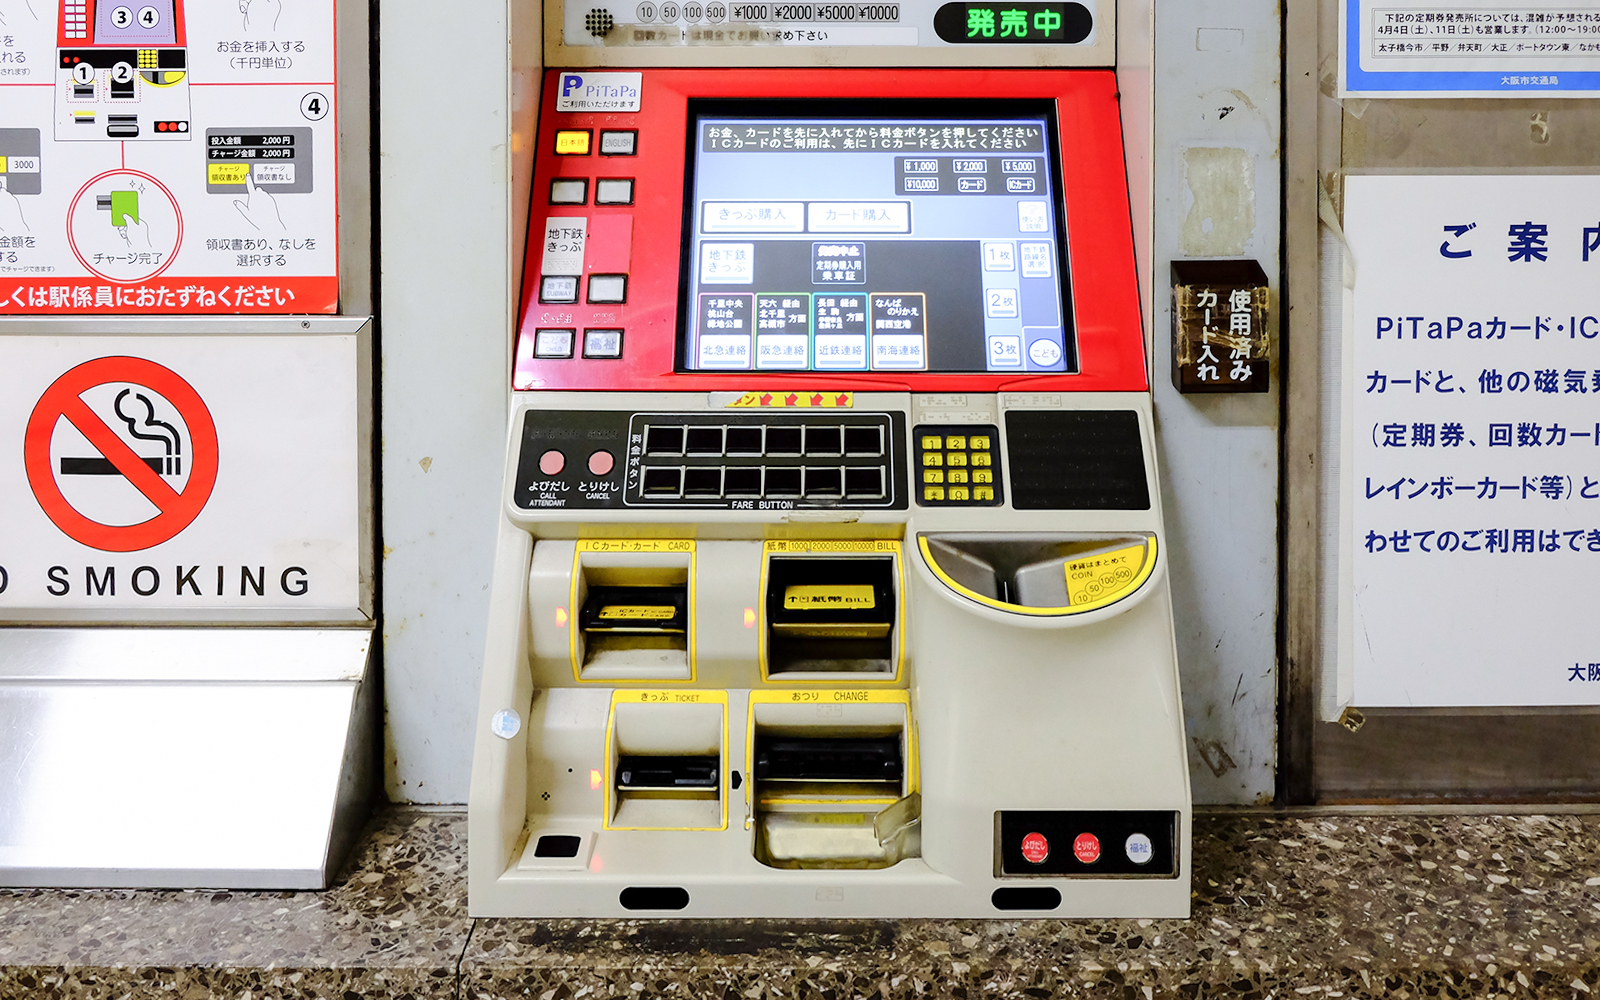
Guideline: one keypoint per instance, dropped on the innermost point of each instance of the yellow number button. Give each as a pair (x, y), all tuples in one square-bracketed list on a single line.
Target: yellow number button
[(980, 458), (983, 493), (933, 493), (983, 476), (932, 458), (958, 475), (959, 493), (979, 442), (572, 143), (957, 458), (933, 475), (932, 443), (956, 442)]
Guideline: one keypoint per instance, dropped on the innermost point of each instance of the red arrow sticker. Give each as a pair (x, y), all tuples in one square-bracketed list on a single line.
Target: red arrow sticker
[(176, 509)]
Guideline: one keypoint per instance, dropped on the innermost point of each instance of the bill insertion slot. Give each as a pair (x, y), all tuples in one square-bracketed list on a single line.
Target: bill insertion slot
[(830, 615)]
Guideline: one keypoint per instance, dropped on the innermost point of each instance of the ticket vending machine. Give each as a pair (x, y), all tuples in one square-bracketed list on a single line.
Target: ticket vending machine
[(831, 576)]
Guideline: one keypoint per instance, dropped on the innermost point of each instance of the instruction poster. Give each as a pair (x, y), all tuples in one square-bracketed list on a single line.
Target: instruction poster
[(163, 157), (1483, 48), (1472, 441)]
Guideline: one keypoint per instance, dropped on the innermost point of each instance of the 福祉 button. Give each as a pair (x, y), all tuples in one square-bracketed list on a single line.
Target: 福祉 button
[(613, 191), (573, 142), (553, 343), (618, 143), (1138, 848), (602, 343), (552, 462)]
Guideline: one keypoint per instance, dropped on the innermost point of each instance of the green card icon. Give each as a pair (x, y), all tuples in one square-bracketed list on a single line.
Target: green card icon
[(124, 208)]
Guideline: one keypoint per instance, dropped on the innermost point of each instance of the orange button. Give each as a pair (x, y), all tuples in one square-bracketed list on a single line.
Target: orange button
[(572, 143)]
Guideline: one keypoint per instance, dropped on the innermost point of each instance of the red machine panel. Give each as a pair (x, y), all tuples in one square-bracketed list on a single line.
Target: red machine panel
[(623, 175)]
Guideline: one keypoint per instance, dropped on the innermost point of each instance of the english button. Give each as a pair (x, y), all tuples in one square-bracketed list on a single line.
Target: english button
[(1086, 848), (1035, 848), (601, 463), (552, 462)]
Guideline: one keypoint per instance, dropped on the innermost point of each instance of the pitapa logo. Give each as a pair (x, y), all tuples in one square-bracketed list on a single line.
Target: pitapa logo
[(569, 83)]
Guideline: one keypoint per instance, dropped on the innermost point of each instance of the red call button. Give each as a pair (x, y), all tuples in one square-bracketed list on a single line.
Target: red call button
[(1035, 848), (1086, 848)]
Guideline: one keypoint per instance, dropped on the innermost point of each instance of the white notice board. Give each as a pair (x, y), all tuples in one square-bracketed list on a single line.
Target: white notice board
[(180, 477), (1482, 48), (1471, 465)]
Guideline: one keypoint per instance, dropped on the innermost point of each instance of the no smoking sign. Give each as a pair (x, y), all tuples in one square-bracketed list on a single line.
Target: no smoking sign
[(155, 434)]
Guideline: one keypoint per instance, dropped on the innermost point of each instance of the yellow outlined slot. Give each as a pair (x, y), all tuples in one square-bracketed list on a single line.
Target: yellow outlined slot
[(822, 548), (666, 726), (630, 569)]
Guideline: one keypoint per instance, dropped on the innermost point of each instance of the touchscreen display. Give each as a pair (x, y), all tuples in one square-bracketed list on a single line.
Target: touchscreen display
[(890, 242)]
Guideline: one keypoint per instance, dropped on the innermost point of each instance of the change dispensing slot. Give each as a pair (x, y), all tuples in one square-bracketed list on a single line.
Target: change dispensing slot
[(1041, 574), (827, 616), (665, 757), (635, 615), (833, 785)]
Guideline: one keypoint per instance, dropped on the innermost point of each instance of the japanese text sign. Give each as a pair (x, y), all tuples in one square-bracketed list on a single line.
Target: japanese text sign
[(1471, 474)]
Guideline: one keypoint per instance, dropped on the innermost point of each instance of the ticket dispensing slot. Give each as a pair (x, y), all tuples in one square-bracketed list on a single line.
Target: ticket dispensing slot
[(634, 615), (666, 762), (826, 615), (833, 785), (1050, 574)]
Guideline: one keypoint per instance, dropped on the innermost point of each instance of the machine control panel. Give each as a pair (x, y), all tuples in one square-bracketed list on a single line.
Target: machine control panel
[(617, 459), (1090, 844)]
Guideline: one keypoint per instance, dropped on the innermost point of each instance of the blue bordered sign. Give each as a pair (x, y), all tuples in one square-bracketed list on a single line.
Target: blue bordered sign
[(1481, 48)]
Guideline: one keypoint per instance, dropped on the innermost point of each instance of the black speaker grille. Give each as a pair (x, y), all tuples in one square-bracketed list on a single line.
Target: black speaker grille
[(1076, 460)]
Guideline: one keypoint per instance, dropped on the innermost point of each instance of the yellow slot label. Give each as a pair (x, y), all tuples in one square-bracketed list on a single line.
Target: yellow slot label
[(669, 697), (636, 545), (1099, 577), (2, 164), (631, 612), (830, 545), (833, 696), (823, 596), (227, 173)]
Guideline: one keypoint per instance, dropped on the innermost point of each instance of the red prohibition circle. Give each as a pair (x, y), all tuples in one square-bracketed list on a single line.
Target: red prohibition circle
[(63, 400), (177, 212)]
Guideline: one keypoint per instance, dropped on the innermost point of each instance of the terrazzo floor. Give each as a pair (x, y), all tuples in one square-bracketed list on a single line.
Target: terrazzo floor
[(1292, 906)]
